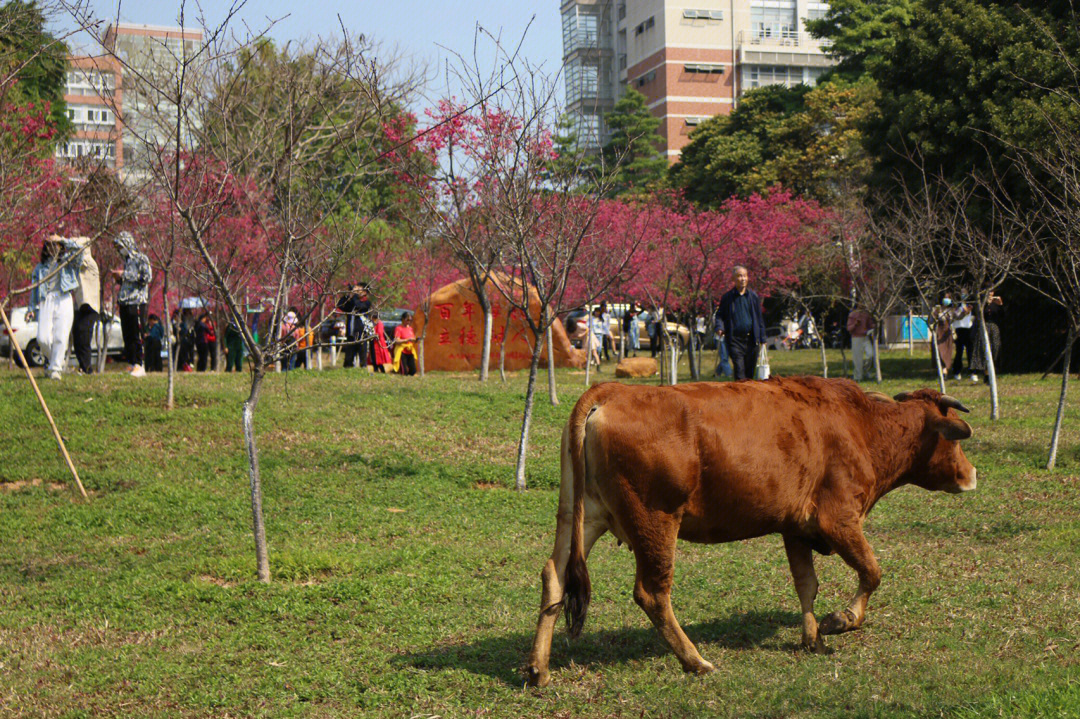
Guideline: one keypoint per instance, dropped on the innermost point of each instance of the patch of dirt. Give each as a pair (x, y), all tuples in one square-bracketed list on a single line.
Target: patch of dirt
[(487, 485), (24, 483), (211, 579)]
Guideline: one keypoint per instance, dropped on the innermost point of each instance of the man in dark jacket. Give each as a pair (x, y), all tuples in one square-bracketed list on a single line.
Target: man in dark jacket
[(358, 327), (739, 322)]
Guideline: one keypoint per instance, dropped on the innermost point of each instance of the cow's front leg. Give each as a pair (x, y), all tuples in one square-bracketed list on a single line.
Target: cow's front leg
[(852, 546), (655, 557), (801, 560)]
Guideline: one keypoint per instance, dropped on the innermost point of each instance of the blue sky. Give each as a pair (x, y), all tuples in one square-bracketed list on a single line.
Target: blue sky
[(417, 27)]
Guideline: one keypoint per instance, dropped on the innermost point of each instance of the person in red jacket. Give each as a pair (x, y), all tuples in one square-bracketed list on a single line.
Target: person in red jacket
[(380, 355)]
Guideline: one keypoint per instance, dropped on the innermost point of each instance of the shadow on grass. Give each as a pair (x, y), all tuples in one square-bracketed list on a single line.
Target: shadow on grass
[(504, 657)]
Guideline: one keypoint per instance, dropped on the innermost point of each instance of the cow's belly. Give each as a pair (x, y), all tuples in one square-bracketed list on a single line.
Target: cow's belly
[(731, 508), (718, 527)]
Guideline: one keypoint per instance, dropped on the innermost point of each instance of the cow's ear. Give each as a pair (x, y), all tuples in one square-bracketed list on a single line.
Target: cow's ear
[(951, 428)]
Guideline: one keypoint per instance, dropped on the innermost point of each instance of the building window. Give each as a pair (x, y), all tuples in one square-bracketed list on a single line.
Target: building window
[(580, 30), (705, 67), (691, 14), (587, 129), (647, 25), (817, 10), (773, 20), (645, 79), (762, 75)]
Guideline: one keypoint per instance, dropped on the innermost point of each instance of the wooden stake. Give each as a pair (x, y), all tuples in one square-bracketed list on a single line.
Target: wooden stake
[(45, 407)]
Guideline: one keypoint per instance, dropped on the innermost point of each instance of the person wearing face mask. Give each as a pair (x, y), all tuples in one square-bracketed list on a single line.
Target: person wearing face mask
[(943, 332), (134, 280)]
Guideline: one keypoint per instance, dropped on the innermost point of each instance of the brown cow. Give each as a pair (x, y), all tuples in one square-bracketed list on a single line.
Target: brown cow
[(804, 457)]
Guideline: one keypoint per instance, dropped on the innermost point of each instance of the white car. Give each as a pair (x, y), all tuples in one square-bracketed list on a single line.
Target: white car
[(26, 334)]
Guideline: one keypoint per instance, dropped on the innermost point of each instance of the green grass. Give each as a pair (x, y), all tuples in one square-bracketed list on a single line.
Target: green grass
[(406, 573)]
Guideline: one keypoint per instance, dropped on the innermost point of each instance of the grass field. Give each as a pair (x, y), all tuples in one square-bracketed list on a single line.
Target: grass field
[(406, 573)]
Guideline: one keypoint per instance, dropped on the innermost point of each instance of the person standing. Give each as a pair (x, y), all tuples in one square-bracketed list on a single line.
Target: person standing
[(652, 328), (943, 335), (596, 335), (992, 314), (859, 326), (134, 280), (380, 351), (206, 343), (87, 307), (606, 339), (356, 307), (740, 322), (630, 328), (155, 338), (55, 280), (234, 347), (405, 346), (962, 321), (185, 341)]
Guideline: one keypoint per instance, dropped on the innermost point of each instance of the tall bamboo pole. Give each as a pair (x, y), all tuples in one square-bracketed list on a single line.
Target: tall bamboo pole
[(44, 407)]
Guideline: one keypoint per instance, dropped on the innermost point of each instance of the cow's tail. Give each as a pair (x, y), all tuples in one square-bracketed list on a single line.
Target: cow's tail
[(578, 589)]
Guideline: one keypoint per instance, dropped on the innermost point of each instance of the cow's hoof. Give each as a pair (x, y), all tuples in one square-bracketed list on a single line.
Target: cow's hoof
[(817, 646), (536, 678), (837, 623), (699, 669)]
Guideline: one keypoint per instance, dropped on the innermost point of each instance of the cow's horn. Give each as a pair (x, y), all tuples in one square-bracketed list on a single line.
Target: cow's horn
[(902, 396), (945, 401)]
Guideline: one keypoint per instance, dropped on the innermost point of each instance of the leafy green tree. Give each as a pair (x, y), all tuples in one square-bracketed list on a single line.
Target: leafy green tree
[(967, 79), (635, 142), (863, 32), (728, 154), (33, 64)]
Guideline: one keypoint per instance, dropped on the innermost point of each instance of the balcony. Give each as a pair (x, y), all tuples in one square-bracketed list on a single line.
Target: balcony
[(783, 47)]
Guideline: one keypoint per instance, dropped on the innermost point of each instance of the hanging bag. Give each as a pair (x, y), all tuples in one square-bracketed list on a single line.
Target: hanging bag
[(761, 372)]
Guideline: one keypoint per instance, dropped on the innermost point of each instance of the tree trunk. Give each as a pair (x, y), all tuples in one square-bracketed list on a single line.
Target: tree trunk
[(1067, 362), (663, 357), (588, 349), (552, 393), (910, 333), (694, 356), (821, 346), (219, 344), (262, 562), (317, 338), (485, 358), (502, 347), (420, 350), (991, 372), (673, 357), (103, 324), (877, 358), (170, 358), (935, 354), (530, 391)]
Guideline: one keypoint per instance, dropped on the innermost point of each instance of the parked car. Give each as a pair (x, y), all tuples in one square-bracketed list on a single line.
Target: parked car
[(774, 338), (26, 335)]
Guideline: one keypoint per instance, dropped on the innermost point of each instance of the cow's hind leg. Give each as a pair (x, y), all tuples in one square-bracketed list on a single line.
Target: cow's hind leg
[(655, 557), (801, 559), (553, 578), (852, 546)]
